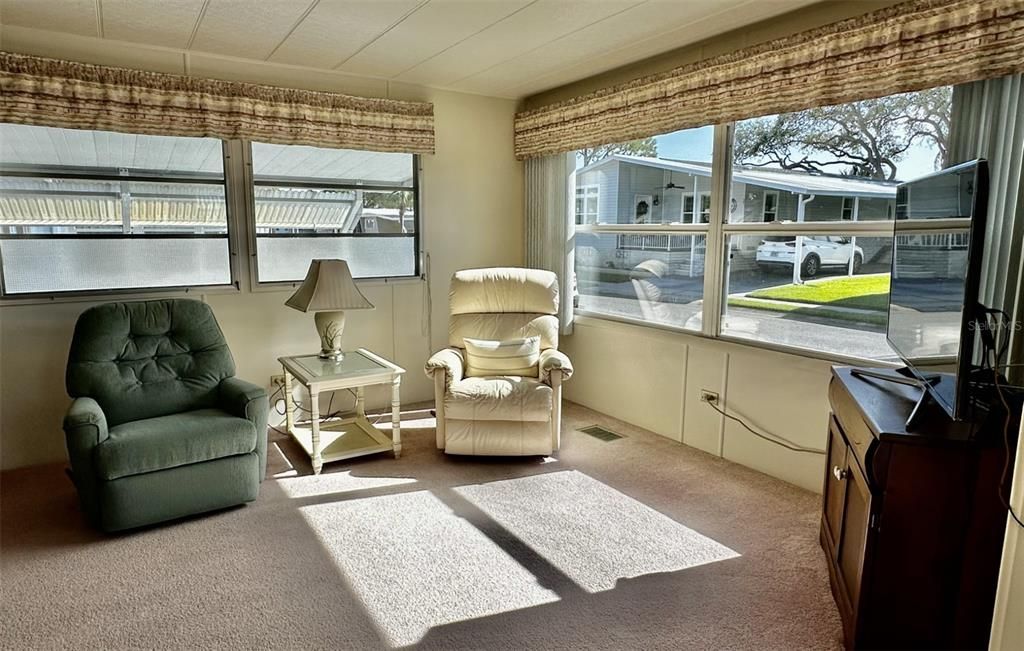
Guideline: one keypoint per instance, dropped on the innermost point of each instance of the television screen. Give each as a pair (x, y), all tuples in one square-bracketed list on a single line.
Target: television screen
[(935, 278)]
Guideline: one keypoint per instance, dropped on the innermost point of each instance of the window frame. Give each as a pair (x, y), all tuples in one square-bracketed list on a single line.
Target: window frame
[(256, 285), (716, 267), (232, 235), (582, 193), (764, 207), (701, 195), (852, 210), (239, 194), (683, 212)]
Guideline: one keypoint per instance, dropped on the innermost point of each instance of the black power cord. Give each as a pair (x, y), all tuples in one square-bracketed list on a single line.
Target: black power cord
[(773, 438)]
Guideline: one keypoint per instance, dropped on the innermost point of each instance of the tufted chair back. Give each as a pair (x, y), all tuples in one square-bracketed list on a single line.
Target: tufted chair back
[(503, 303), (148, 359)]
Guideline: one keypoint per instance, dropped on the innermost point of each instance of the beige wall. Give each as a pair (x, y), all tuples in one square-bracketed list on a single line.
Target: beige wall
[(472, 216), (653, 378)]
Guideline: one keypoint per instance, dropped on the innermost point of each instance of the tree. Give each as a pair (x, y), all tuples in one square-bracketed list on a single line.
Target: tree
[(643, 147), (866, 138), (400, 199)]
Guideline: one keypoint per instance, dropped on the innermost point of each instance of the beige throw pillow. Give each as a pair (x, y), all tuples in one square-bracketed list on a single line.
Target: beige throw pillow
[(511, 357)]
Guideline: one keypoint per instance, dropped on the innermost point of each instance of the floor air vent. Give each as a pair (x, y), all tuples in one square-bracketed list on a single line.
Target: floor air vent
[(601, 433)]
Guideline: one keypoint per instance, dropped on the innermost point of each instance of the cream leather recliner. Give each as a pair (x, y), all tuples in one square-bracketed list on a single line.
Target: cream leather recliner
[(500, 415)]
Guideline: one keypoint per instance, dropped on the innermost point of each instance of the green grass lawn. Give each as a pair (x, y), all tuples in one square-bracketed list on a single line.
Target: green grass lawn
[(868, 292), (802, 309)]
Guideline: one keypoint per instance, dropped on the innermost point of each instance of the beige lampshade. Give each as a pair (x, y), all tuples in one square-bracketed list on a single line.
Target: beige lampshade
[(328, 286)]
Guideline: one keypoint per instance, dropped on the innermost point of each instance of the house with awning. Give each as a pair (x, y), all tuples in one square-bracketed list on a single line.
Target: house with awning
[(623, 189)]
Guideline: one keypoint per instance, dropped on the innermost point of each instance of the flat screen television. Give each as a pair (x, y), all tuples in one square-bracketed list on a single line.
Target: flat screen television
[(936, 276)]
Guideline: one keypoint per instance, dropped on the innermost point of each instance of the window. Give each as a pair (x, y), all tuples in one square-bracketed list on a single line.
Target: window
[(87, 211), (312, 202), (806, 278), (807, 234), (587, 204), (688, 203), (642, 257), (705, 207), (770, 210), (849, 211)]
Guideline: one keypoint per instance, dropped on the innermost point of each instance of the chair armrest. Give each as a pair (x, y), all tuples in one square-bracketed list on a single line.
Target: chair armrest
[(246, 400), (551, 361), (450, 361), (85, 427), (238, 397)]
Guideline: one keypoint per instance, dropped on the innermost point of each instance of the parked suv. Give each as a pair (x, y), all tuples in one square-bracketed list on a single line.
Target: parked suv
[(819, 251)]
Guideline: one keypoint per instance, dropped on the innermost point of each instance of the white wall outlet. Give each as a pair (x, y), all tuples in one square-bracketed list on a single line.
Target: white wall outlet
[(709, 396)]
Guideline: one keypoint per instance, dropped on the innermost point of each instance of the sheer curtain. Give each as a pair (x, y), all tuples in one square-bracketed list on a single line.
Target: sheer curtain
[(550, 181), (988, 122)]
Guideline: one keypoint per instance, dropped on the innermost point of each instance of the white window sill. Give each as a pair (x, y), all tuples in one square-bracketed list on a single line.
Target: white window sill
[(598, 319)]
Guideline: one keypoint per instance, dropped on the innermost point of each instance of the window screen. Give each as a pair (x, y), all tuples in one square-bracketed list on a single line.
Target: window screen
[(85, 210)]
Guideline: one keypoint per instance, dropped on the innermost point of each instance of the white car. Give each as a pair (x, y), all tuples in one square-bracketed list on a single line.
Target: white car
[(819, 251)]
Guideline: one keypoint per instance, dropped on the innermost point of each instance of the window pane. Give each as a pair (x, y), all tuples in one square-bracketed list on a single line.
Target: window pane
[(122, 262), (840, 306), (654, 277), (335, 166), (317, 192), (287, 258), (105, 151), (649, 181), (838, 162), (60, 188)]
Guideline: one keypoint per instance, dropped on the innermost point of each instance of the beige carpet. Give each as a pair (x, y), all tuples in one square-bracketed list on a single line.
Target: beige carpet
[(638, 543)]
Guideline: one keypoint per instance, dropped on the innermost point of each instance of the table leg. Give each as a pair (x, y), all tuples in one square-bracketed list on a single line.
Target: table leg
[(360, 403), (318, 462), (289, 403), (396, 417)]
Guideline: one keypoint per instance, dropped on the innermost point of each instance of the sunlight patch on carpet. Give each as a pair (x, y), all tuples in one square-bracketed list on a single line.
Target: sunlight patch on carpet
[(334, 482), (411, 419), (591, 532), (416, 565)]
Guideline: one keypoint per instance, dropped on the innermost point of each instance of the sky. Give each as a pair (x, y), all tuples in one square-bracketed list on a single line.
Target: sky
[(696, 145)]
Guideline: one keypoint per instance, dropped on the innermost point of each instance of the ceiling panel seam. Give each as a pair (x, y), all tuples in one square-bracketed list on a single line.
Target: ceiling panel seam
[(377, 37), (98, 4), (463, 40), (195, 27), (291, 31)]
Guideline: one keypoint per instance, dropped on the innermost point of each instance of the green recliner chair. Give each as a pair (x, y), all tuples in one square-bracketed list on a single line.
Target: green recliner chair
[(159, 427)]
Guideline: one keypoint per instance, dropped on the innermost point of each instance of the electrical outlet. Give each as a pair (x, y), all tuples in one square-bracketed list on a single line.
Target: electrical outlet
[(708, 396), (276, 380)]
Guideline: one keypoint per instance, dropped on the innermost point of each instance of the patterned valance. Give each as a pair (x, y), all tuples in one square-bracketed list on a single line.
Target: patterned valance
[(906, 47), (49, 92)]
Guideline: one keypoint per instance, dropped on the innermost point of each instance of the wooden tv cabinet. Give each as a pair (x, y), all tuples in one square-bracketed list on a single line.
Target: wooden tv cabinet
[(912, 524)]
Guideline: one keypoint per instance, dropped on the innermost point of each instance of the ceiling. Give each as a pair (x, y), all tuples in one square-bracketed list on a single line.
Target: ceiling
[(502, 48)]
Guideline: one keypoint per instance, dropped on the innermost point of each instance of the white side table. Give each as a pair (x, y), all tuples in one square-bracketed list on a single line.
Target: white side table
[(348, 437)]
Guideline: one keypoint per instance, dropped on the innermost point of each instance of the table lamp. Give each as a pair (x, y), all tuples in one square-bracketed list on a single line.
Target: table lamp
[(328, 291)]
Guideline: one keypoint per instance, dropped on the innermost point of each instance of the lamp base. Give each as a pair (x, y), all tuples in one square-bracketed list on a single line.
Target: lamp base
[(330, 326)]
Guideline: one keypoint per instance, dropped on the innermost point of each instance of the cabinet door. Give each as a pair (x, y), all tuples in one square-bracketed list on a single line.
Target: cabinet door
[(834, 490), (854, 536)]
